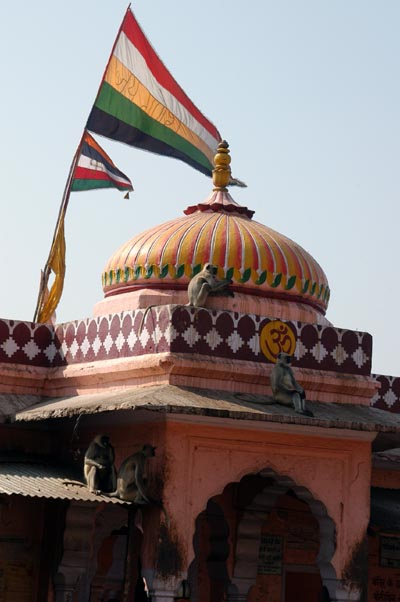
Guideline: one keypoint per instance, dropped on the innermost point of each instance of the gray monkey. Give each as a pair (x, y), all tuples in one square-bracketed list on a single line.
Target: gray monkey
[(99, 469), (286, 390), (206, 283), (131, 483)]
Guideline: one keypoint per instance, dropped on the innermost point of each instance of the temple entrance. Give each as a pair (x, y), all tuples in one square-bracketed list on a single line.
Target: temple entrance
[(261, 540)]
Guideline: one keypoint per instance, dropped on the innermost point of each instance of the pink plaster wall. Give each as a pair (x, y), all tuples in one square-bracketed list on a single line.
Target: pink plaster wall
[(203, 460), (247, 304)]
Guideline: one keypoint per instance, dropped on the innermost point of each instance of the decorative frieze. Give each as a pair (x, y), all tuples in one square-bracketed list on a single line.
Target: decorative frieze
[(388, 395), (183, 329)]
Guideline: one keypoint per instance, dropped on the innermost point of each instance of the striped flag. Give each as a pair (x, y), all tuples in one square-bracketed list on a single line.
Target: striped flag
[(141, 104), (95, 169)]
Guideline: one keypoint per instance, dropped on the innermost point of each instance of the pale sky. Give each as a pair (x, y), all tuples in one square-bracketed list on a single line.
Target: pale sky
[(307, 93)]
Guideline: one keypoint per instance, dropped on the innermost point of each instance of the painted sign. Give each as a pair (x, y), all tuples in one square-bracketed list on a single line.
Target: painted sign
[(270, 555), (389, 552), (275, 337)]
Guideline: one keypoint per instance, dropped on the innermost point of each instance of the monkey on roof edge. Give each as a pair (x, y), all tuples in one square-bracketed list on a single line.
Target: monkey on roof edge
[(285, 389), (206, 283)]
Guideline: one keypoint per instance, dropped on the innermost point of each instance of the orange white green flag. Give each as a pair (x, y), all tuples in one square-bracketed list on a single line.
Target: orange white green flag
[(141, 104)]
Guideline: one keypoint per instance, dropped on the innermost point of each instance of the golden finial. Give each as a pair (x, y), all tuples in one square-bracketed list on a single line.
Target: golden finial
[(222, 171)]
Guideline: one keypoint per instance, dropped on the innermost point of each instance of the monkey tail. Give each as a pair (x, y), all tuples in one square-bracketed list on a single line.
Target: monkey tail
[(110, 493), (80, 483)]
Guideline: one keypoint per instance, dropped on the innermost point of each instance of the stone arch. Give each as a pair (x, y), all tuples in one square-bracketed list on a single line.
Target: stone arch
[(249, 530)]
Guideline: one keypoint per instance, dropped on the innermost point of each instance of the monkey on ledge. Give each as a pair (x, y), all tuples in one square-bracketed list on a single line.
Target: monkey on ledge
[(206, 283), (285, 389)]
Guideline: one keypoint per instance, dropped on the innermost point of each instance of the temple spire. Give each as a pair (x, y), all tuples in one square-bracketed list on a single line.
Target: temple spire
[(221, 174)]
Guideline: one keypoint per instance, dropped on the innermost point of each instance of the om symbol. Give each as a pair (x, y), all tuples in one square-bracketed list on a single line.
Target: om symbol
[(276, 336)]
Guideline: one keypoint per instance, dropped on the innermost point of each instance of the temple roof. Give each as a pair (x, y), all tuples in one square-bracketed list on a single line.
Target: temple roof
[(174, 400), (258, 260)]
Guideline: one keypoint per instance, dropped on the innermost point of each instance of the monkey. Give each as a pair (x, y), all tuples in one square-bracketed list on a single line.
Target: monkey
[(285, 389), (131, 482), (99, 469), (205, 283)]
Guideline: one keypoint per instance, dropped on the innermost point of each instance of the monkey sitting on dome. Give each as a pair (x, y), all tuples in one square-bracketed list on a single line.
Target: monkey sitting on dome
[(206, 283), (285, 389)]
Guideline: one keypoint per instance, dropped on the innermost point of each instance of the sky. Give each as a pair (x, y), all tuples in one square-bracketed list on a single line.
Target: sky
[(306, 93)]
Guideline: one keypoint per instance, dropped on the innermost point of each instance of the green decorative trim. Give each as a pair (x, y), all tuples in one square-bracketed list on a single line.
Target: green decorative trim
[(127, 274), (262, 278), (196, 270), (290, 283), (229, 273), (180, 271), (277, 281), (149, 272), (164, 271), (246, 275)]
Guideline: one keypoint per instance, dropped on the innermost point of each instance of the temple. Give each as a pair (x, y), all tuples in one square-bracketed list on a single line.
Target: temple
[(248, 499)]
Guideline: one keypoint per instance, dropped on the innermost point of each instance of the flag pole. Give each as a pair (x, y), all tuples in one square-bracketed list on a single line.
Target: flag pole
[(59, 223)]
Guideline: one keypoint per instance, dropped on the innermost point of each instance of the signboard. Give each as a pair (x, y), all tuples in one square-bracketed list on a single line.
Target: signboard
[(270, 555), (390, 552), (277, 336)]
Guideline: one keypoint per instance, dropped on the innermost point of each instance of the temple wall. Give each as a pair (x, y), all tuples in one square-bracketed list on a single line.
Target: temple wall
[(201, 461)]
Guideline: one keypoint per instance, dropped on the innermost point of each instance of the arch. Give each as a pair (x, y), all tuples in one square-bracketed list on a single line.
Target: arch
[(249, 532)]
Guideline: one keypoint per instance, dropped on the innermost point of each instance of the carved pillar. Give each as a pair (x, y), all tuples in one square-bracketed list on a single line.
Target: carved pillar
[(163, 589), (338, 592), (70, 577), (238, 591)]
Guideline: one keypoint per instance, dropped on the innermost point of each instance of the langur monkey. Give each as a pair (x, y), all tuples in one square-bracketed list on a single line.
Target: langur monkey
[(206, 283), (131, 482), (285, 388), (99, 469)]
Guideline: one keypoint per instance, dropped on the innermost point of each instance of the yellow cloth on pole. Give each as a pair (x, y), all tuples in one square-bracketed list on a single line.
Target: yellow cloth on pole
[(56, 264)]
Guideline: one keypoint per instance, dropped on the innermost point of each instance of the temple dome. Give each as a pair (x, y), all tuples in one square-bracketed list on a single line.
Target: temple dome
[(260, 261)]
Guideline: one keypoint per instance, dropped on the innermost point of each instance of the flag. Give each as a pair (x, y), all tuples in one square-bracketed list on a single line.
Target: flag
[(48, 301), (91, 168), (141, 104), (95, 169)]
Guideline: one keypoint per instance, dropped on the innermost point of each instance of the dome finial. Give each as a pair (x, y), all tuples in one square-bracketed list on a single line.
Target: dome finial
[(222, 171)]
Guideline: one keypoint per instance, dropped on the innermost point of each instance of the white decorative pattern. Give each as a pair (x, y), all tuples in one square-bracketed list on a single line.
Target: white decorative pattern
[(390, 398), (31, 349), (108, 343), (339, 354), (319, 352), (85, 346), (74, 348), (359, 357), (235, 342), (10, 347), (97, 345), (213, 339), (300, 350), (191, 336), (50, 352), (254, 344)]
